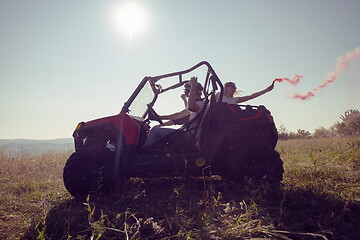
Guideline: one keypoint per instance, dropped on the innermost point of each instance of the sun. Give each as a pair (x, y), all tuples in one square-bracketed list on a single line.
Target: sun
[(131, 19)]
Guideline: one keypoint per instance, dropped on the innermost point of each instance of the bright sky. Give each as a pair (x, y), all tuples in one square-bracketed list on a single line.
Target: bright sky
[(63, 62)]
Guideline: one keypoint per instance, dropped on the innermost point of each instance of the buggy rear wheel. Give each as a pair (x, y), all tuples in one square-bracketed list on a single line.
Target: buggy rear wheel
[(86, 173)]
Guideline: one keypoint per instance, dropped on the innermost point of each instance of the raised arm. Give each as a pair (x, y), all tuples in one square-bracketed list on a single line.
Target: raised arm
[(192, 105), (183, 97), (254, 95)]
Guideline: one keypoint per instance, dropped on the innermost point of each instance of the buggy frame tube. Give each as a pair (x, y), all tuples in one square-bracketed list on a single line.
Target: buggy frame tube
[(153, 80)]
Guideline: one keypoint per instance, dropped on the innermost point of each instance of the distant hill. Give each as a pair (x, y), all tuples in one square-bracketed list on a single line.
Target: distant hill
[(36, 147)]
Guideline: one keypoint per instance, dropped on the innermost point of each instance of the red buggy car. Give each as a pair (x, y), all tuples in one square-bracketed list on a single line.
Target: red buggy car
[(236, 141)]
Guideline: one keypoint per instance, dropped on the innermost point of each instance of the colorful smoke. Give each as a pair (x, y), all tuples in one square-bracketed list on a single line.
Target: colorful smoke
[(295, 80), (341, 65)]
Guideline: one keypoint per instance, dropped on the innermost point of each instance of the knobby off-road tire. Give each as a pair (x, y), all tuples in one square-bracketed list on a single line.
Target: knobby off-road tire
[(86, 173), (255, 163)]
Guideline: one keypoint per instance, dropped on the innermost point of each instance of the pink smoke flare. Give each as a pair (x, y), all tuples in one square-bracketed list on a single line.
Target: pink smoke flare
[(341, 65), (295, 80)]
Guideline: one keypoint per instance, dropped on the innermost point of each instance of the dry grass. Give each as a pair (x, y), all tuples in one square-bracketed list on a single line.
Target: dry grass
[(328, 166), (29, 187), (319, 199)]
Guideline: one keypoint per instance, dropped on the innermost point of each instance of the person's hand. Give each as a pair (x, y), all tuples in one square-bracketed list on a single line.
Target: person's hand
[(193, 81), (269, 88), (183, 96)]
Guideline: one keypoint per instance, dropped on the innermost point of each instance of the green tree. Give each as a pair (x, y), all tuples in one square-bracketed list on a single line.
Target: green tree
[(303, 133), (350, 123), (323, 132), (283, 133)]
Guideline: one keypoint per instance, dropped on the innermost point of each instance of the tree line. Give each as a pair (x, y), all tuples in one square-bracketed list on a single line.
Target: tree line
[(349, 125)]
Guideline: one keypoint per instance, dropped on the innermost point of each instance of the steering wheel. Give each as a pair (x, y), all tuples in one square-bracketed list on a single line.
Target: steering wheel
[(152, 115)]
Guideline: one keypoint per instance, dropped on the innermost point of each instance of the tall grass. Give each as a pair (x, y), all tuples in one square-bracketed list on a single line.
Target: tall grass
[(29, 186), (325, 166), (319, 199)]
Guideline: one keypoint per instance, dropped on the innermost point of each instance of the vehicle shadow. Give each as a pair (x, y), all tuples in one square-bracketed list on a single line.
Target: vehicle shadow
[(201, 208)]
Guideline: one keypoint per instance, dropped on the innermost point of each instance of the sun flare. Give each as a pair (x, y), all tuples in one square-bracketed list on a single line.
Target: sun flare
[(131, 19)]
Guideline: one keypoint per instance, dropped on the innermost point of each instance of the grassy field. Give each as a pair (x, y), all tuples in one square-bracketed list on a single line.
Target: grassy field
[(319, 199)]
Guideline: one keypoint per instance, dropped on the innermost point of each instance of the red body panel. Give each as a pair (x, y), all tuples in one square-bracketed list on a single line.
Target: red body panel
[(126, 125), (258, 115)]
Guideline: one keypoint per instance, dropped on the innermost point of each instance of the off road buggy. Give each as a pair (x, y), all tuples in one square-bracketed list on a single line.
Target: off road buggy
[(235, 142)]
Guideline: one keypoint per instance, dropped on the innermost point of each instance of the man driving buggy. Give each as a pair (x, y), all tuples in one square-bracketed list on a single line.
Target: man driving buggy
[(195, 105)]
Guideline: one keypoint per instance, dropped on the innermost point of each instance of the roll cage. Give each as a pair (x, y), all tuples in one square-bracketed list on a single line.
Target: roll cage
[(210, 82)]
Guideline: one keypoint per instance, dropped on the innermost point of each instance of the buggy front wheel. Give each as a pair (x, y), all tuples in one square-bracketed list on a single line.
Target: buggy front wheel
[(85, 173)]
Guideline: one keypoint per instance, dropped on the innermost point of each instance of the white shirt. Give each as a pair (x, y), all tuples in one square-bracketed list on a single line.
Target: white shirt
[(198, 122), (227, 99), (201, 105)]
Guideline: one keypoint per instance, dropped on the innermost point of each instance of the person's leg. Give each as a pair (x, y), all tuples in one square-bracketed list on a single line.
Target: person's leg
[(156, 134)]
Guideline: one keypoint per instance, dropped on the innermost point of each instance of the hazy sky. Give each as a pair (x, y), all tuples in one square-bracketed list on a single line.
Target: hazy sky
[(62, 62)]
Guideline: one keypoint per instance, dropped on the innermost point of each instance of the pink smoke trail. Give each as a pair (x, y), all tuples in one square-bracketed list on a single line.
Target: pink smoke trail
[(341, 65), (295, 80)]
